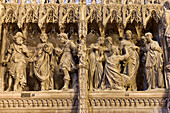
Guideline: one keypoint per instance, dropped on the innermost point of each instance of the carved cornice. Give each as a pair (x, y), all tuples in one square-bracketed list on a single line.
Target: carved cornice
[(154, 11), (48, 13), (28, 13), (94, 13), (112, 12), (69, 13), (10, 13), (132, 13)]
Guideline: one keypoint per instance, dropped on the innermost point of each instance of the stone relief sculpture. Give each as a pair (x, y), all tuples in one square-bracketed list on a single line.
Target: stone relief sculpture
[(66, 52), (73, 35), (112, 74), (154, 63), (16, 63), (92, 37), (96, 59), (132, 63), (102, 59), (43, 65), (143, 61), (75, 44)]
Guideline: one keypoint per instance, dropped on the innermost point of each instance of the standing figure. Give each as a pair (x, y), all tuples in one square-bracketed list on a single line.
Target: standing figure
[(67, 63), (97, 68), (154, 63), (16, 58), (43, 64), (132, 63), (143, 61), (112, 78)]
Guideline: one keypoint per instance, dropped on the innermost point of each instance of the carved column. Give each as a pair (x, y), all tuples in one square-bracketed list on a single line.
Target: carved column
[(1, 18), (2, 68), (83, 72), (61, 24)]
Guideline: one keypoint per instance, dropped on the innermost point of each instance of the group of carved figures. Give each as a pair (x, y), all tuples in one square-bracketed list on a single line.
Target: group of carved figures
[(116, 67), (42, 61), (109, 66)]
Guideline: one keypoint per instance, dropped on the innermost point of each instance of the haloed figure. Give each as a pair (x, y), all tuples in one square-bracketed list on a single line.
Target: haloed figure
[(16, 58)]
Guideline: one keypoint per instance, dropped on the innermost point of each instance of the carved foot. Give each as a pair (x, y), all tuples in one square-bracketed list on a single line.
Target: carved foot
[(66, 85), (149, 88), (65, 88)]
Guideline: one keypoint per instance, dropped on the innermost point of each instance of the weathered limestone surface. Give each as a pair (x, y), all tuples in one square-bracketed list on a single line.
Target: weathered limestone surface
[(74, 56)]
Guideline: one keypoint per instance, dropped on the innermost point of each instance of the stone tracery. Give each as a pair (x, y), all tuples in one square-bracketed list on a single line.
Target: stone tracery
[(93, 21)]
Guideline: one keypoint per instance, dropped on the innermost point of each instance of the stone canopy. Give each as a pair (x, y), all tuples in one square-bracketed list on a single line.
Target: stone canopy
[(85, 56)]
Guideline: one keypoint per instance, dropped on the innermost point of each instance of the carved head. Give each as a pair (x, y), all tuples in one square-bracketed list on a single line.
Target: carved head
[(44, 37), (149, 37), (63, 37), (71, 29), (101, 40), (53, 30), (18, 38), (93, 31), (128, 35), (143, 40)]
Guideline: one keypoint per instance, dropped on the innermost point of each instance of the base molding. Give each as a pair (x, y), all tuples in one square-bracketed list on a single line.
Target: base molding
[(98, 101)]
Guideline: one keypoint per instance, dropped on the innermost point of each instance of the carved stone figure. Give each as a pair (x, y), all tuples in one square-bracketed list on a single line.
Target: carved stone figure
[(92, 37), (43, 64), (154, 63), (16, 59), (67, 63), (143, 61), (96, 59), (132, 63), (82, 51), (73, 35), (112, 74)]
